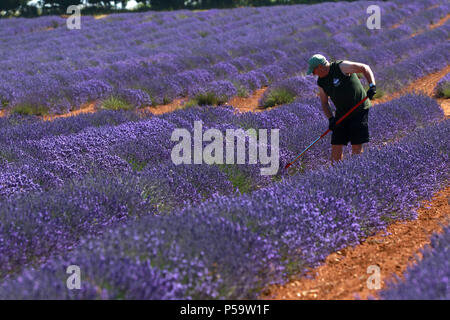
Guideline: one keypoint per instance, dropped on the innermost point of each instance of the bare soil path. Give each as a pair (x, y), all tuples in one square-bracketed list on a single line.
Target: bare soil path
[(172, 106), (240, 103)]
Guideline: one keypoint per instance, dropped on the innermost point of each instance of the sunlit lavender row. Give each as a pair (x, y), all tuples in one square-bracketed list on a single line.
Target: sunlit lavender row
[(43, 155), (442, 89), (153, 58)]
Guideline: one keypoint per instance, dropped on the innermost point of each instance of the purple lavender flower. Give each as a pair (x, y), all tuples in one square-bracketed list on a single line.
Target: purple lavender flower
[(429, 278)]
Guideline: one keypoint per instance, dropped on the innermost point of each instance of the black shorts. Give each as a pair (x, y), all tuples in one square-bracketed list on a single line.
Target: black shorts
[(354, 130)]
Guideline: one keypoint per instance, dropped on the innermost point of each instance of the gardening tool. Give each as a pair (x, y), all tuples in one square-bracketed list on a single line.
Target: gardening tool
[(326, 132)]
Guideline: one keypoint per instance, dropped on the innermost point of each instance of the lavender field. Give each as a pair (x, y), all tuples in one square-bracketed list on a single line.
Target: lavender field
[(101, 191)]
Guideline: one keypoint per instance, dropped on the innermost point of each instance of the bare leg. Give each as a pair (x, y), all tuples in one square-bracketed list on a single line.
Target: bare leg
[(357, 148), (336, 152)]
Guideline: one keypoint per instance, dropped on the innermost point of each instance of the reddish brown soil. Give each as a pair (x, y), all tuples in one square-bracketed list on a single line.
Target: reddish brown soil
[(250, 103), (87, 108), (445, 105), (172, 106), (440, 22), (241, 104)]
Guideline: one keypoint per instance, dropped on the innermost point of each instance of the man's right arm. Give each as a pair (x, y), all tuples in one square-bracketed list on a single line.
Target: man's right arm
[(325, 106)]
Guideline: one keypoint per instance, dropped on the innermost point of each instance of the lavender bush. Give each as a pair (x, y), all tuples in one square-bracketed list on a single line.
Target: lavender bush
[(216, 92), (429, 278), (287, 90), (443, 87)]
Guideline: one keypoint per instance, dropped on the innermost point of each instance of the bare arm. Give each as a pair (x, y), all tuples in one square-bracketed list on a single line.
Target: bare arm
[(324, 101), (348, 67)]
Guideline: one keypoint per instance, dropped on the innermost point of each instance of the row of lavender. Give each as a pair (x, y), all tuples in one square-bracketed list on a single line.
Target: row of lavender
[(429, 279), (245, 61), (63, 182), (233, 246)]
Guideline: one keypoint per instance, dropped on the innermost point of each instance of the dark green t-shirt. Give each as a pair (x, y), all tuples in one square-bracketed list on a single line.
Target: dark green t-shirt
[(345, 91)]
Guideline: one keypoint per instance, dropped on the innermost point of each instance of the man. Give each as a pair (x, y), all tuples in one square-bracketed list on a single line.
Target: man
[(338, 80)]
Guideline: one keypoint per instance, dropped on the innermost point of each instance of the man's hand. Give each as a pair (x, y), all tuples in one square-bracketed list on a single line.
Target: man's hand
[(372, 91), (332, 123)]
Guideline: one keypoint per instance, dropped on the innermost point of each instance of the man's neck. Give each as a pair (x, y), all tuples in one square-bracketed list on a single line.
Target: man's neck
[(328, 70)]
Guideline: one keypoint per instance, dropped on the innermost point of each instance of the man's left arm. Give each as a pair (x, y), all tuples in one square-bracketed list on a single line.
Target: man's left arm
[(348, 67)]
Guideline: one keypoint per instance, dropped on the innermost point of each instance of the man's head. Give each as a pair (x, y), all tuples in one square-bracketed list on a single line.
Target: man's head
[(318, 65)]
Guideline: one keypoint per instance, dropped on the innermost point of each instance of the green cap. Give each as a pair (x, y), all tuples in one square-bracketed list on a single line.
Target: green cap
[(314, 61)]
